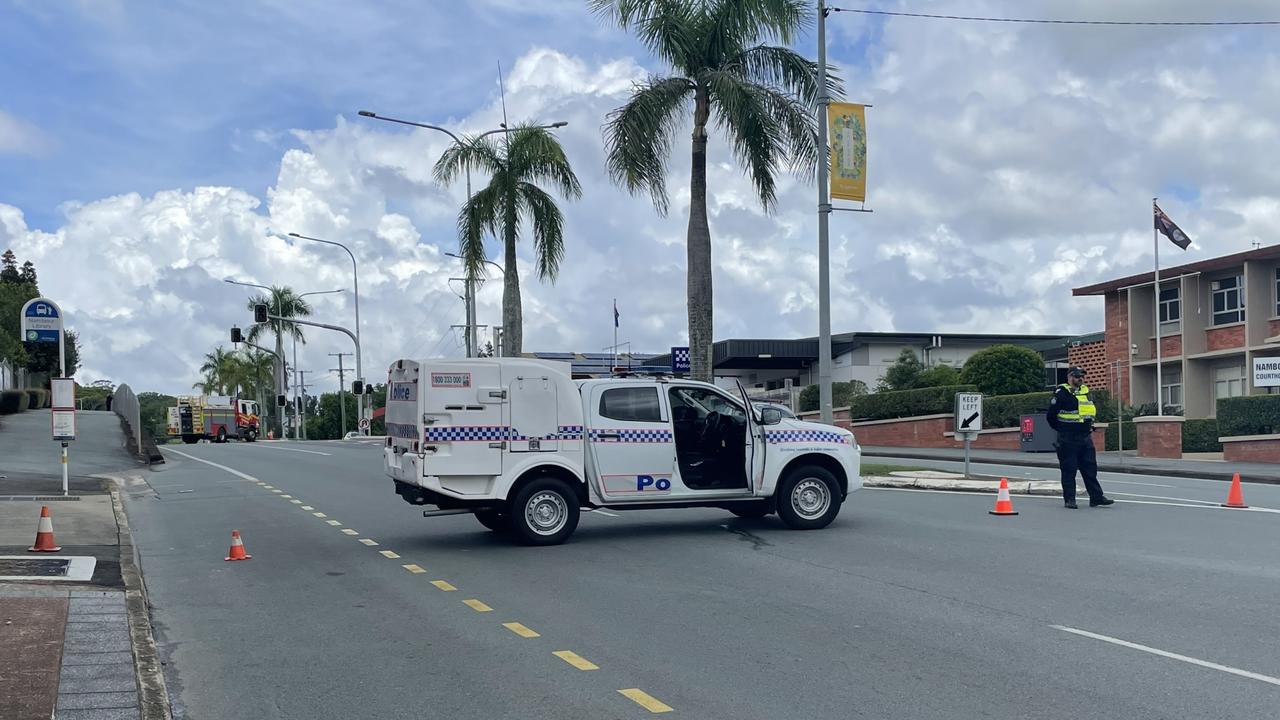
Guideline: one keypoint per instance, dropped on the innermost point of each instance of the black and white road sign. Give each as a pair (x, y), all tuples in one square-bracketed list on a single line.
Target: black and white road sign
[(968, 412)]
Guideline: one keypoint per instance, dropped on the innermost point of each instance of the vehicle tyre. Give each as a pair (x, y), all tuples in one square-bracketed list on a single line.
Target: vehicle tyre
[(250, 435), (544, 512), (222, 435), (809, 498), (498, 522), (751, 510), (190, 439)]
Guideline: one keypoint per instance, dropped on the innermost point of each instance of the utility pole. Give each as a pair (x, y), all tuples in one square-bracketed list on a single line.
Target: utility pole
[(302, 397), (342, 388)]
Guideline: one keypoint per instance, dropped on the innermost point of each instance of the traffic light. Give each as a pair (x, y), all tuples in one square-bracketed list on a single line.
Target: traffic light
[(259, 313), (236, 337), (282, 400), (357, 387)]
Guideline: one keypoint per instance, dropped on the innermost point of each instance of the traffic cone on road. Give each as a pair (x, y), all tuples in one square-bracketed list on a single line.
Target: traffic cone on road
[(237, 548), (44, 533), (1235, 496), (1004, 504)]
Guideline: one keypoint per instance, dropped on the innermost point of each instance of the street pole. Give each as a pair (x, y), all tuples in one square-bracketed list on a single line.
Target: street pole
[(302, 388), (824, 217), (342, 385), (1155, 243), (297, 421), (355, 274)]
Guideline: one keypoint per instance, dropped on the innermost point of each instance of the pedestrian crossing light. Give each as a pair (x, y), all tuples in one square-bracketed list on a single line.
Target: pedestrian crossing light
[(236, 337), (260, 313), (357, 387), (281, 400)]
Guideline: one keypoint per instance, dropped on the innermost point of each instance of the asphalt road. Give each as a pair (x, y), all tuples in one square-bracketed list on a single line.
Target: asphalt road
[(912, 605)]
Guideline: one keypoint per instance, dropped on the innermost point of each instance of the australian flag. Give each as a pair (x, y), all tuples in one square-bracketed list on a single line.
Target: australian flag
[(615, 313), (1171, 231)]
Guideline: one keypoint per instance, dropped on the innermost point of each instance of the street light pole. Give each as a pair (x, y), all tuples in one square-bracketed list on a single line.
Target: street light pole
[(824, 217), (281, 377), (355, 273), (472, 341)]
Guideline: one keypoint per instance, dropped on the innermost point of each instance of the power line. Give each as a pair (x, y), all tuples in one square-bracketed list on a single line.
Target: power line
[(1044, 21)]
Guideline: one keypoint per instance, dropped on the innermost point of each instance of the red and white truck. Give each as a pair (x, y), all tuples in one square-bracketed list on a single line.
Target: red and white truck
[(214, 417)]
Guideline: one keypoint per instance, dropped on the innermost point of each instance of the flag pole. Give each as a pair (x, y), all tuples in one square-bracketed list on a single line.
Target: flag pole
[(1155, 243), (615, 338)]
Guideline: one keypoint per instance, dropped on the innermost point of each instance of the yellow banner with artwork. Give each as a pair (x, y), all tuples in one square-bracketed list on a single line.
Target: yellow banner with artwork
[(847, 127)]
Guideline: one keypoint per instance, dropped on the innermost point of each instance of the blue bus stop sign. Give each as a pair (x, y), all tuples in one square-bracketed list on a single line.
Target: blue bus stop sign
[(41, 321)]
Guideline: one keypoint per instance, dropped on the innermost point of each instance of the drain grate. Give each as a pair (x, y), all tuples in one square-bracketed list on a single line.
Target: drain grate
[(34, 567)]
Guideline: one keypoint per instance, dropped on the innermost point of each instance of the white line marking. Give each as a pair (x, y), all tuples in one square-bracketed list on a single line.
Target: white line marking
[(233, 471), (1209, 506), (311, 452), (1165, 497), (1172, 656), (1131, 482), (1251, 508)]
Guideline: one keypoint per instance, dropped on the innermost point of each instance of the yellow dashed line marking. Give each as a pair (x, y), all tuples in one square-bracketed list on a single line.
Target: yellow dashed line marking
[(520, 630), (477, 605), (334, 523), (368, 542), (415, 569), (307, 507), (296, 501), (265, 486), (319, 514), (646, 701), (443, 585), (261, 483), (286, 497), (388, 554), (576, 660), (349, 531), (278, 491)]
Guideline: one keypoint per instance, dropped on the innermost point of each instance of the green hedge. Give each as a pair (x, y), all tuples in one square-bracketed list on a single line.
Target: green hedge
[(1201, 436), (1250, 415), (13, 401), (1113, 436), (1001, 411), (37, 398), (906, 403)]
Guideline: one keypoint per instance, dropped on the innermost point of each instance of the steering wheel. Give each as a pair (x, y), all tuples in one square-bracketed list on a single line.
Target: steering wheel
[(711, 430)]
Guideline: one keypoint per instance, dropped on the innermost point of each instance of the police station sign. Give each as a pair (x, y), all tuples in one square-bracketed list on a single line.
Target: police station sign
[(1266, 372)]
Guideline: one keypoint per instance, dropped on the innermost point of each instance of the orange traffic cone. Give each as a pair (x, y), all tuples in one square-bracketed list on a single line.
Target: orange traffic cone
[(237, 548), (1235, 496), (1004, 504), (44, 533)]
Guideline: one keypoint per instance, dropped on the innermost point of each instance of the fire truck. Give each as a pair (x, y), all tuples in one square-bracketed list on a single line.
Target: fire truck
[(214, 417)]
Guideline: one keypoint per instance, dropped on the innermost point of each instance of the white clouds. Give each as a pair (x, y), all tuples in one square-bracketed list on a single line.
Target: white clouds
[(18, 137)]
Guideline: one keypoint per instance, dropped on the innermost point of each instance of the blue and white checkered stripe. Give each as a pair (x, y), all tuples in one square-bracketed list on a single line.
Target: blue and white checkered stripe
[(800, 436), (494, 433), (633, 436)]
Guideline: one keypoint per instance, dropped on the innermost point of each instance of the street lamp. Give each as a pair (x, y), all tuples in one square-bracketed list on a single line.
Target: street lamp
[(471, 281), (355, 274)]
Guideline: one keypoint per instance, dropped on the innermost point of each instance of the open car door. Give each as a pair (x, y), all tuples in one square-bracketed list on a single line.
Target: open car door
[(755, 445)]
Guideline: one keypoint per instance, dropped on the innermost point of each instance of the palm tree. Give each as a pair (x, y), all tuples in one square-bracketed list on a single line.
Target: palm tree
[(218, 370), (529, 155), (764, 97), (284, 303)]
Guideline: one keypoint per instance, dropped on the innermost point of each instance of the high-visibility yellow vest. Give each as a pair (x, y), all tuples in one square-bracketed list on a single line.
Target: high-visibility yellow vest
[(1086, 410)]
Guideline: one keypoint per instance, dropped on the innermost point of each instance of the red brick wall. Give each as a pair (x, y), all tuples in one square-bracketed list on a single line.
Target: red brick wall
[(926, 432), (1117, 340), (1223, 338), (1159, 439), (1092, 358), (1267, 451), (1170, 346)]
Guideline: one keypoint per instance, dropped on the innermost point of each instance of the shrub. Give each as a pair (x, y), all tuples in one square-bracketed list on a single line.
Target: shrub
[(1113, 436), (1004, 370), (903, 374), (938, 376), (12, 401), (906, 403), (842, 393), (1200, 436), (1006, 410), (37, 398), (1250, 415)]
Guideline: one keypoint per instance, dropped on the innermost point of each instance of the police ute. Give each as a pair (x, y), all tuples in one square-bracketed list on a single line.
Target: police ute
[(525, 447)]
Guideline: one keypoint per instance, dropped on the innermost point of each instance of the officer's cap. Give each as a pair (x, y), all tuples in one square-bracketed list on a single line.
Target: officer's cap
[(1075, 372)]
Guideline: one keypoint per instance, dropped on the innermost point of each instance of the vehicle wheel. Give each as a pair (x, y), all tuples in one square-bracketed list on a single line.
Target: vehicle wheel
[(809, 498), (496, 521), (222, 435), (544, 512), (250, 435), (190, 439), (750, 510)]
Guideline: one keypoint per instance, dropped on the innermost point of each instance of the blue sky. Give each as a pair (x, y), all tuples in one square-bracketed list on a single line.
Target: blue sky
[(149, 149)]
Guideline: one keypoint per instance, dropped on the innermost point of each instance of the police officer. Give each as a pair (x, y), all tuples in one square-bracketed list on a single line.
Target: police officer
[(1072, 413)]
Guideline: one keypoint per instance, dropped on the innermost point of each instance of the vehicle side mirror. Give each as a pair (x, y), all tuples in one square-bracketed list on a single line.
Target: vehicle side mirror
[(770, 416)]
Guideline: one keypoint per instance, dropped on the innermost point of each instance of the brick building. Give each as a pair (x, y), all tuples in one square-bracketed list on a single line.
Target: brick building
[(1214, 316)]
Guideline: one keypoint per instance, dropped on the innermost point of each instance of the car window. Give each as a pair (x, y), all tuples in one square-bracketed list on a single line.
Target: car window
[(705, 401), (634, 404)]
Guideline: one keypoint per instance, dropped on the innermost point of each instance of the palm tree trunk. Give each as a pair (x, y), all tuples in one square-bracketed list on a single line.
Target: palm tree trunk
[(698, 247), (512, 312)]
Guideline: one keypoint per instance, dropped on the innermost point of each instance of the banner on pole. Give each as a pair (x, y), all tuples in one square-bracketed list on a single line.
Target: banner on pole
[(847, 126)]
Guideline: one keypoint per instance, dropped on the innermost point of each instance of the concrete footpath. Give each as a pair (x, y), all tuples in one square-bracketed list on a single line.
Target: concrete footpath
[(1107, 462), (75, 632)]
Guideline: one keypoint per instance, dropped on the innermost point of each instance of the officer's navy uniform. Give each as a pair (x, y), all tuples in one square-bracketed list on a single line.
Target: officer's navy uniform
[(1072, 413)]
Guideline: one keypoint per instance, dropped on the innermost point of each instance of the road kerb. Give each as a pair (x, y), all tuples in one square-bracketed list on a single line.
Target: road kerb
[(1016, 487)]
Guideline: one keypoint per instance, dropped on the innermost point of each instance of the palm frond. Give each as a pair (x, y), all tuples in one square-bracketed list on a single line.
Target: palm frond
[(548, 229), (638, 135), (743, 22), (535, 154), (784, 69), (479, 214), (665, 27), (758, 140), (473, 153)]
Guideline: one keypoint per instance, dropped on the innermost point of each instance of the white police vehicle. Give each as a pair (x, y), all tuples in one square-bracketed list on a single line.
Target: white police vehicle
[(525, 448)]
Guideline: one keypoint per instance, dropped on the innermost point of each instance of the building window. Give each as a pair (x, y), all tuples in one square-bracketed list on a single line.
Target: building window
[(631, 404), (1171, 387), (1228, 300), (1228, 381), (1278, 291), (1170, 311)]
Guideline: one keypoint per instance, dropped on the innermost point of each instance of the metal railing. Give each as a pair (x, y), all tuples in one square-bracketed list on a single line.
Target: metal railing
[(125, 404)]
